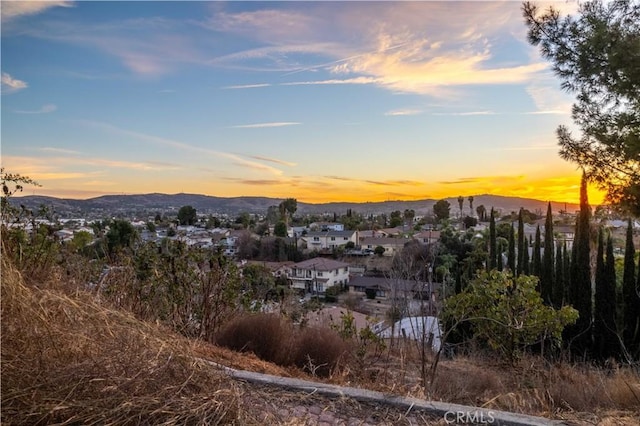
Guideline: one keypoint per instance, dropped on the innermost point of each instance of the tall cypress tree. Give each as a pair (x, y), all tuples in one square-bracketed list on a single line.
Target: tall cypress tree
[(493, 249), (631, 297), (511, 254), (604, 325), (521, 248), (536, 263), (580, 289), (557, 292), (566, 272), (547, 270), (525, 258)]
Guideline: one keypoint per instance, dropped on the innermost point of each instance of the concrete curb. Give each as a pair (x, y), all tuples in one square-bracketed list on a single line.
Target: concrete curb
[(451, 413)]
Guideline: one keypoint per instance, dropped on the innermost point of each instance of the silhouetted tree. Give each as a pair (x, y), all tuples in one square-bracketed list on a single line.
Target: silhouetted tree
[(511, 253), (546, 273), (604, 325), (631, 296), (521, 250), (536, 260), (441, 210), (187, 215), (493, 247), (580, 293)]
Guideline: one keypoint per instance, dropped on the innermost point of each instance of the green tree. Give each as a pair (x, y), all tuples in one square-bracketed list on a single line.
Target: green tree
[(395, 218), (631, 296), (525, 258), (520, 265), (597, 57), (511, 253), (546, 273), (536, 260), (604, 325), (379, 250), (121, 235), (287, 209), (280, 230), (187, 215), (507, 313), (81, 239), (493, 246), (579, 292), (557, 292), (441, 210), (481, 210)]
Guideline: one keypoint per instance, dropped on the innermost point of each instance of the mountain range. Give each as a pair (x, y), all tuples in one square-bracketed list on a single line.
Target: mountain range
[(132, 204)]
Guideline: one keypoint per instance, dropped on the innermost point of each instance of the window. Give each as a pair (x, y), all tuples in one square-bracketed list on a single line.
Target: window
[(316, 238), (319, 274), (333, 238)]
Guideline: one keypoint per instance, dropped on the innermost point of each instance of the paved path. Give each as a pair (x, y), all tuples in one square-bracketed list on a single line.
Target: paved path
[(304, 402)]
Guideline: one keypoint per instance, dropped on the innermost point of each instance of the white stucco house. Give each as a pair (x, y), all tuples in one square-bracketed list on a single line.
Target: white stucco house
[(318, 274)]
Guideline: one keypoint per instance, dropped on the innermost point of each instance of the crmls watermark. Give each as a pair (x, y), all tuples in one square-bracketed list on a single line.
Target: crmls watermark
[(469, 417)]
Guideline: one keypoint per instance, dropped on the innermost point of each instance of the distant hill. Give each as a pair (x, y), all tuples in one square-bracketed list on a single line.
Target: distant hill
[(130, 204)]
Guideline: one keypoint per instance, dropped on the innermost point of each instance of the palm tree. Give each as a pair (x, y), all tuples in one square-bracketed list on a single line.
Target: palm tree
[(471, 204), (460, 203), (482, 211)]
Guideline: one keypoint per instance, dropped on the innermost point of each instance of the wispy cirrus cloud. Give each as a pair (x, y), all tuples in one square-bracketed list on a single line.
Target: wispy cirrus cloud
[(273, 160), (56, 150), (12, 85), (467, 113), (481, 179), (14, 9), (266, 125), (389, 182), (247, 86), (401, 112), (236, 159), (45, 109), (410, 50), (355, 80)]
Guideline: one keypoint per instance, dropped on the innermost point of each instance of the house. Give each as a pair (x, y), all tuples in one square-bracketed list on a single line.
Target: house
[(318, 274), (415, 296), (277, 269), (427, 237), (326, 226), (416, 328), (391, 245), (329, 240)]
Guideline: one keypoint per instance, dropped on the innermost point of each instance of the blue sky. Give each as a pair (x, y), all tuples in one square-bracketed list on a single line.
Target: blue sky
[(320, 101)]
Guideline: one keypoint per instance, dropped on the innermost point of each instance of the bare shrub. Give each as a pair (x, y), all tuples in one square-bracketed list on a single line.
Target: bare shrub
[(319, 350), (268, 336), (68, 360)]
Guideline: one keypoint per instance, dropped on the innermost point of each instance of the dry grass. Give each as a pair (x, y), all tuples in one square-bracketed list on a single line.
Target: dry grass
[(67, 359)]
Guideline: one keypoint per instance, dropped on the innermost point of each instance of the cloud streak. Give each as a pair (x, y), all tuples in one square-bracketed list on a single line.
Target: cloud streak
[(237, 160), (10, 84), (45, 109), (266, 125), (14, 9), (247, 86)]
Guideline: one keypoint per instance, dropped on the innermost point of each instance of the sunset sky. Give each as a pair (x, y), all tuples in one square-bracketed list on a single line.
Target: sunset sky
[(320, 101)]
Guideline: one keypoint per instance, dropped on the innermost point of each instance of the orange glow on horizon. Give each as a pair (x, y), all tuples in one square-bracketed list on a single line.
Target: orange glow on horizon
[(557, 188)]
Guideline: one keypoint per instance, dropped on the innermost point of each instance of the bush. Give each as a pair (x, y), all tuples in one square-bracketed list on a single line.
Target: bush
[(271, 338), (268, 336), (318, 350)]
